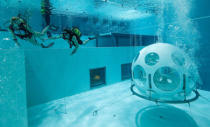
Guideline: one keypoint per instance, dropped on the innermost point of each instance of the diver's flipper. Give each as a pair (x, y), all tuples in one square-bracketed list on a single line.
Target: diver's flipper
[(92, 38), (53, 27), (49, 35), (100, 35), (3, 30), (48, 46)]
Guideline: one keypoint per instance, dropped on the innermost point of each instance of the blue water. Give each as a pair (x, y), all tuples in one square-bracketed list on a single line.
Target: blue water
[(34, 79)]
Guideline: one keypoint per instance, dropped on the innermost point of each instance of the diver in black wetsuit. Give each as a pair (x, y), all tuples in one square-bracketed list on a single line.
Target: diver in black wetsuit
[(19, 28), (72, 36), (46, 13)]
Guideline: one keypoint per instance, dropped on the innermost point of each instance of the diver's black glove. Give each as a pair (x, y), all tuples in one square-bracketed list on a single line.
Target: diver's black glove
[(48, 46), (91, 38), (70, 45)]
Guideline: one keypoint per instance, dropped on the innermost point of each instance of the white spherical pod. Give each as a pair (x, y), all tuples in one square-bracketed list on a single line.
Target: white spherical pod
[(164, 72)]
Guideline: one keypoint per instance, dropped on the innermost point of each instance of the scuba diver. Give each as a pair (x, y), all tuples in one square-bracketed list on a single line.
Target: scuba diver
[(19, 28), (72, 36), (46, 14)]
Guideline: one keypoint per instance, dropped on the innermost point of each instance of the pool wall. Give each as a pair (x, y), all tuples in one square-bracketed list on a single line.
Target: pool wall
[(201, 10), (13, 110), (52, 73)]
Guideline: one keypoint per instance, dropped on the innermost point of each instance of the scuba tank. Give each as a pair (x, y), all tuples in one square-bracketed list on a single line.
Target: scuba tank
[(76, 32), (68, 34)]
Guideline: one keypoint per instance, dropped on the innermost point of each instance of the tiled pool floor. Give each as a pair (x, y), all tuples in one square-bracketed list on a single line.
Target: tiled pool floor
[(115, 106)]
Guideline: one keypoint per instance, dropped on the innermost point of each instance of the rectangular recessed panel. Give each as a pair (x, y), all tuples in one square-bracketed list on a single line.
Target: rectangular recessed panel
[(147, 40), (137, 40), (125, 41), (97, 77), (125, 71), (106, 41)]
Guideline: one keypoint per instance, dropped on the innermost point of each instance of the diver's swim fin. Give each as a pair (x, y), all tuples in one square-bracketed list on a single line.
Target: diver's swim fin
[(4, 30), (53, 27), (100, 35), (48, 46), (92, 38), (49, 35)]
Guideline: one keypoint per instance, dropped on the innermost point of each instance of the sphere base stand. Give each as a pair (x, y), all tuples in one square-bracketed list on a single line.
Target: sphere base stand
[(165, 101)]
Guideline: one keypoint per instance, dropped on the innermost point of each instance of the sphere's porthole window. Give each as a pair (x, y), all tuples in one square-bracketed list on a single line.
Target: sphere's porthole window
[(139, 74), (152, 58), (166, 79), (137, 56), (178, 58)]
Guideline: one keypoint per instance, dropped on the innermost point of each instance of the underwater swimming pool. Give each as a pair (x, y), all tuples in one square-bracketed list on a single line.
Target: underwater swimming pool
[(104, 63), (115, 105)]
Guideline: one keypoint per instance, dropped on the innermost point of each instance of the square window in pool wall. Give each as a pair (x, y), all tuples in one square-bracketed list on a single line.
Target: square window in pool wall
[(126, 71), (97, 77)]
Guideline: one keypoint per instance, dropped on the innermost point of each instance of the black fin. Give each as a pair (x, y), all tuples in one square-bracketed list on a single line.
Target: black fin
[(48, 46), (1, 29), (92, 38), (53, 28), (49, 34)]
